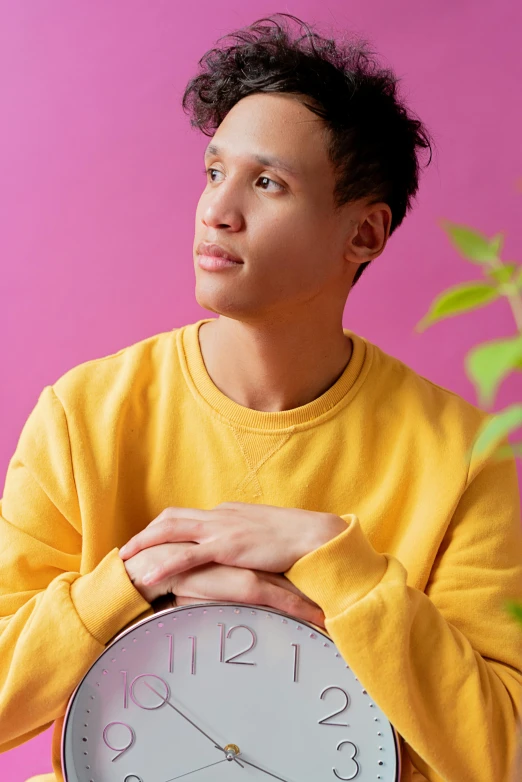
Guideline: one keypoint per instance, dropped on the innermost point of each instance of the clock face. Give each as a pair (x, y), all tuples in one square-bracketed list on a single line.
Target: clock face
[(225, 692)]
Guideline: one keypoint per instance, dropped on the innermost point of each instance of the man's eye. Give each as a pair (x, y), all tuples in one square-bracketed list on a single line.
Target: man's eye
[(273, 182), (208, 172)]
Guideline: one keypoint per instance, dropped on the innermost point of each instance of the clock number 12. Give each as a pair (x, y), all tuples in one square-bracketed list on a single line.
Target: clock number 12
[(232, 659)]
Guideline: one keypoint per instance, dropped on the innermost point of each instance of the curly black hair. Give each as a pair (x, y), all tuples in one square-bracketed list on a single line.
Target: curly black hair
[(373, 141)]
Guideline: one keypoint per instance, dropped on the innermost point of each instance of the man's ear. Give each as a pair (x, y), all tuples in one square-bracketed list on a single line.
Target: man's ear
[(370, 234)]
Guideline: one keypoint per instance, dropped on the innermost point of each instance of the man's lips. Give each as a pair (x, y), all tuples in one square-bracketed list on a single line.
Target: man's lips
[(216, 250), (213, 262)]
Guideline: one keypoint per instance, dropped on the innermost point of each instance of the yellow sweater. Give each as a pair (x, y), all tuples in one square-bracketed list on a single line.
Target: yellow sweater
[(432, 548)]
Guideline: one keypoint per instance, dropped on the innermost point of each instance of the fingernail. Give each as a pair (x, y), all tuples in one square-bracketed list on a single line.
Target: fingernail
[(123, 550), (148, 577)]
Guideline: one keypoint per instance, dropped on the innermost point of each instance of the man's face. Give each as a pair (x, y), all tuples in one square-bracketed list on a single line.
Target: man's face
[(282, 225)]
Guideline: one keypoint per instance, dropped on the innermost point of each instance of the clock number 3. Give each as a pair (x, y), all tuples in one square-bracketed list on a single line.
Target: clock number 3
[(352, 757), (233, 659)]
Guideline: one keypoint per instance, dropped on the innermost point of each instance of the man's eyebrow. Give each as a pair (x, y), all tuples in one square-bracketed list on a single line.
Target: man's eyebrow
[(264, 160)]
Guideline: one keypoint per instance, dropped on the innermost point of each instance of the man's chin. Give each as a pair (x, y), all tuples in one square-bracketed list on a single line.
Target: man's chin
[(217, 303)]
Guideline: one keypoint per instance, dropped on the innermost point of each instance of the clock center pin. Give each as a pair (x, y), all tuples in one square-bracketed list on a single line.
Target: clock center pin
[(231, 751)]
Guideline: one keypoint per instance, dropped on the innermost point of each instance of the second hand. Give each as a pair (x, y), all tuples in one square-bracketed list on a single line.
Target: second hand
[(198, 769)]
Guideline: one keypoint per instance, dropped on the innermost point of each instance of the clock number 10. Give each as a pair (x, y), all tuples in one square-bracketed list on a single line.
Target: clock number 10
[(130, 690)]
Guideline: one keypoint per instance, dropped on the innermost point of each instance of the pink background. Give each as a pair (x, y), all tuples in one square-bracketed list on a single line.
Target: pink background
[(101, 173)]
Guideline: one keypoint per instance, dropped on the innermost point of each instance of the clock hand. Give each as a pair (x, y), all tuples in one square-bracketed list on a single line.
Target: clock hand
[(217, 746), (198, 769), (264, 770)]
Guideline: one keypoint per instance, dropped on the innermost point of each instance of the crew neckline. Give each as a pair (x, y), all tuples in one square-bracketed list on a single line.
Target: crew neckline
[(310, 414)]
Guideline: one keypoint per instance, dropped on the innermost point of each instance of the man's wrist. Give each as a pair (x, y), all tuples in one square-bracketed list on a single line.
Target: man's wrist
[(332, 527), (150, 594)]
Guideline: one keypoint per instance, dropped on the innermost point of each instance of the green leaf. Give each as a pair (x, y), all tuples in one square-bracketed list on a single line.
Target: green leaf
[(488, 364), (514, 608), (471, 244), (517, 279), (508, 451), (496, 427), (460, 298), (504, 273), (496, 243)]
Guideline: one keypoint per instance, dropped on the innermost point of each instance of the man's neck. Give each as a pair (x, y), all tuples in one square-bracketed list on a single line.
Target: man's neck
[(273, 369)]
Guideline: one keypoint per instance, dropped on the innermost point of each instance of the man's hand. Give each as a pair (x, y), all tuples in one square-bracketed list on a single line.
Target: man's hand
[(258, 537), (217, 582)]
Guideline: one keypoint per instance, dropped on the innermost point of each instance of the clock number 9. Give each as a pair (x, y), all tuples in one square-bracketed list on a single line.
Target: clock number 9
[(121, 750)]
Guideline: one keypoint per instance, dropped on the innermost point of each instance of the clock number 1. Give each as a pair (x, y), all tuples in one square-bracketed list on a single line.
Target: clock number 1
[(171, 652), (296, 660), (193, 656)]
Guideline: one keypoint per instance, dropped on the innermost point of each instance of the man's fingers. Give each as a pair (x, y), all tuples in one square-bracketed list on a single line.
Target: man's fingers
[(220, 582), (275, 599), (285, 583), (167, 531), (188, 601), (278, 597), (180, 560)]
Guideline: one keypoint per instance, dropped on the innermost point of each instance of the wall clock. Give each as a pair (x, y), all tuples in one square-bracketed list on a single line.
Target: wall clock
[(225, 692)]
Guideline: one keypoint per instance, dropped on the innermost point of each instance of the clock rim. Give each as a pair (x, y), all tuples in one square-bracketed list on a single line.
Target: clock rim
[(173, 609)]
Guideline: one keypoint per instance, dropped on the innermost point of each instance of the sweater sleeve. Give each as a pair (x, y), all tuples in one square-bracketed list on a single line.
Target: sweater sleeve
[(54, 620), (444, 665)]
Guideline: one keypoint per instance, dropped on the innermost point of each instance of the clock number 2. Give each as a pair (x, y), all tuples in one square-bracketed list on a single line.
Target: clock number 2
[(233, 659), (335, 713)]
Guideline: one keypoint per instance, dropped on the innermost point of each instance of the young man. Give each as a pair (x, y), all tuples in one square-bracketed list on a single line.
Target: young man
[(269, 455)]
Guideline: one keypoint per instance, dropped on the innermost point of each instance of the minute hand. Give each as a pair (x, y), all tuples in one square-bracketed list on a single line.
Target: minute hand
[(192, 723)]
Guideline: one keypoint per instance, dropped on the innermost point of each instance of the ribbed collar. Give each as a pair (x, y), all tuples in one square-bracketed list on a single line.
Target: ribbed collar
[(313, 413)]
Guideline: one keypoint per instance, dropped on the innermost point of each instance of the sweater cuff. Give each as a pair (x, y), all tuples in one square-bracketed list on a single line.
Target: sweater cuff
[(106, 599), (341, 571)]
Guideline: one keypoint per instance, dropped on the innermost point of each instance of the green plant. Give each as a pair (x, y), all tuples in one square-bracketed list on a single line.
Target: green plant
[(488, 363)]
